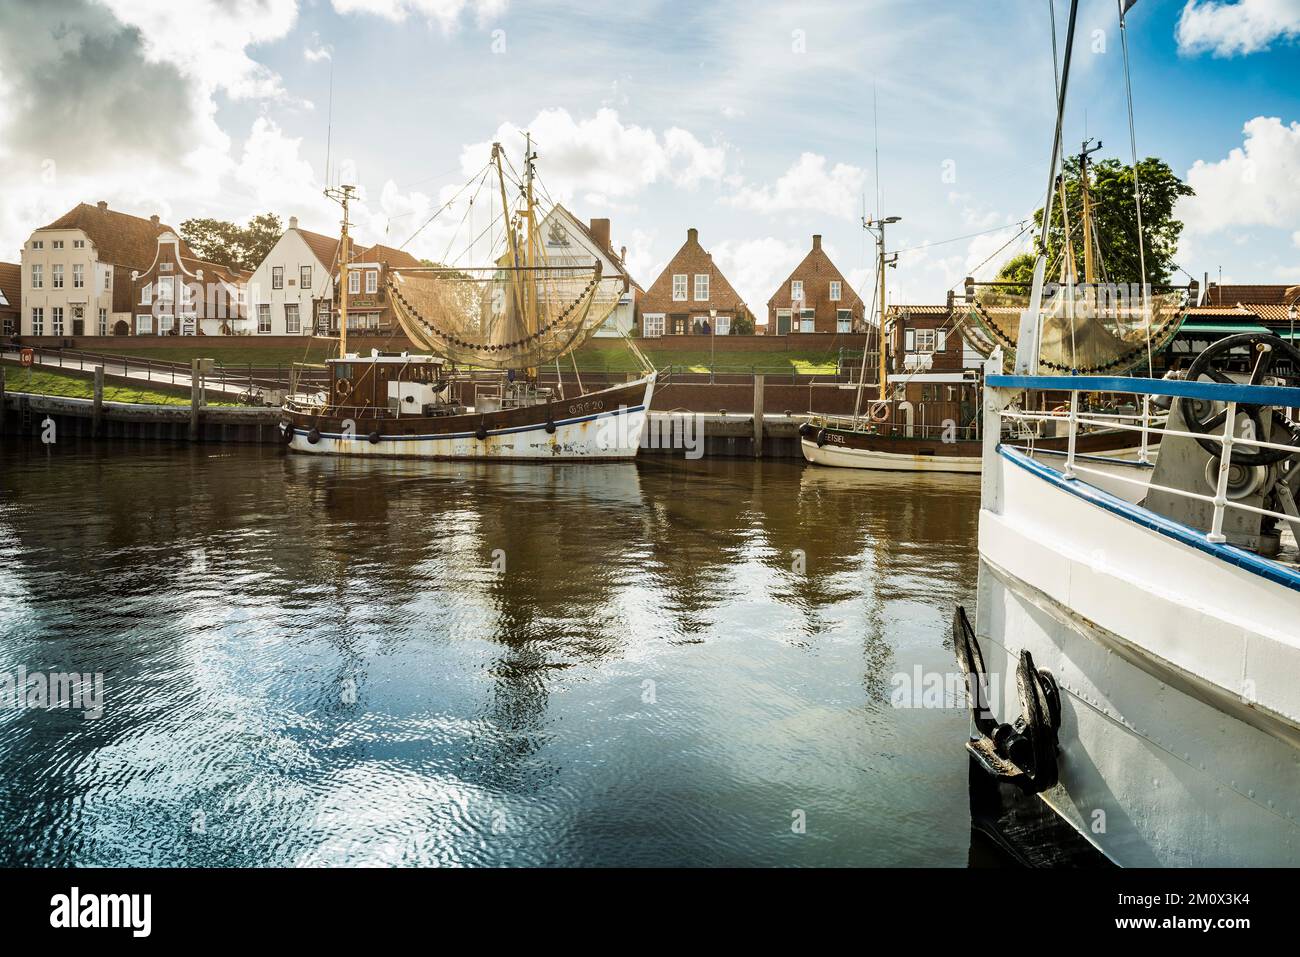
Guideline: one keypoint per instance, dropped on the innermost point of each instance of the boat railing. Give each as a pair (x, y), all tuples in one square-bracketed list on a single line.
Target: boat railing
[(1230, 395)]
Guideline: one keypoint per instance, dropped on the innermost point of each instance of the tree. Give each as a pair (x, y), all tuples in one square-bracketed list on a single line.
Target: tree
[(743, 325), (236, 247), (1110, 187)]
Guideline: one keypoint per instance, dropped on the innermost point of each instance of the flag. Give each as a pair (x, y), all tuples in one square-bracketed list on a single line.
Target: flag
[(1126, 6)]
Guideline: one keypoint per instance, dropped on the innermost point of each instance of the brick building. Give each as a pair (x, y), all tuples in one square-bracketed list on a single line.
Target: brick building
[(369, 309), (181, 295), (691, 296), (11, 298), (815, 298)]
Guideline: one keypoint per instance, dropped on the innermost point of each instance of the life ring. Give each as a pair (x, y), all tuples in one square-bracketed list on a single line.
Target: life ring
[(343, 387), (313, 436), (879, 411), (374, 438)]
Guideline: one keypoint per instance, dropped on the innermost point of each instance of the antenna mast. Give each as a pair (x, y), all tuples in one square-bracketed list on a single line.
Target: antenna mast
[(343, 195)]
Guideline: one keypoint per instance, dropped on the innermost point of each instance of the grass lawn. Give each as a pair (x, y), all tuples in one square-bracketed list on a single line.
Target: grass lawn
[(591, 358), (76, 386)]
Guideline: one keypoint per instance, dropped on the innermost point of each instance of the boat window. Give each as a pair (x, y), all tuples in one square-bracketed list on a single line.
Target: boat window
[(342, 371)]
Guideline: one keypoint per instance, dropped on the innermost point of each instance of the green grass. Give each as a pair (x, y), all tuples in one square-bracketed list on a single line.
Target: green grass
[(76, 386), (592, 357)]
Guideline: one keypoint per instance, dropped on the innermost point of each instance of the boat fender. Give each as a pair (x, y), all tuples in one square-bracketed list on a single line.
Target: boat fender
[(821, 438), (313, 436), (550, 426), (374, 438), (805, 429), (288, 432), (481, 434)]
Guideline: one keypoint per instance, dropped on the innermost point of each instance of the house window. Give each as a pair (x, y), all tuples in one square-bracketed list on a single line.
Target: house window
[(165, 325), (146, 294), (941, 340), (354, 282), (277, 277), (57, 244), (167, 289), (323, 317), (38, 322), (264, 317), (372, 280), (143, 324), (679, 287), (843, 320), (796, 290), (722, 326), (38, 276), (78, 244), (783, 321), (924, 341), (835, 290), (78, 276), (103, 322), (807, 320), (701, 287), (56, 275), (304, 277), (654, 325), (292, 322), (38, 244)]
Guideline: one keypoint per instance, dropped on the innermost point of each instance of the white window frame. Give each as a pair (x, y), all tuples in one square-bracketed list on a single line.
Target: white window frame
[(56, 320), (263, 318), (277, 277), (843, 320), (924, 341), (164, 267), (167, 289), (292, 319), (836, 290), (78, 244), (38, 244), (38, 276), (146, 294), (807, 320), (722, 326), (304, 277), (57, 244), (354, 282), (372, 281), (108, 280), (103, 321), (144, 324), (56, 276), (941, 341), (796, 290), (679, 287), (652, 325), (166, 322), (701, 285), (38, 321), (78, 276)]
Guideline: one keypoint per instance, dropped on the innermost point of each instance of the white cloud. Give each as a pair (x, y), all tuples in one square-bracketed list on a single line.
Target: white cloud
[(755, 267), (1228, 29), (445, 13), (807, 186), (602, 156), (1254, 185), (316, 51)]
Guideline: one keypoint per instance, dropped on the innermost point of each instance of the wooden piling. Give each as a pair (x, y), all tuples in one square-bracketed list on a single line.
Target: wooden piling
[(2, 400), (758, 415), (195, 400), (97, 416)]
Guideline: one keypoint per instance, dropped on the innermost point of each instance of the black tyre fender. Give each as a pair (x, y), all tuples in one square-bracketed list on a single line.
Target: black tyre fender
[(481, 434), (805, 430), (821, 438), (289, 433), (373, 438), (313, 436), (550, 426)]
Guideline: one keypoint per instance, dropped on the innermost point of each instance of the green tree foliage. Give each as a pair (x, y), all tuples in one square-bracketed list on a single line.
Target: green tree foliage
[(743, 325), (237, 247), (1110, 185)]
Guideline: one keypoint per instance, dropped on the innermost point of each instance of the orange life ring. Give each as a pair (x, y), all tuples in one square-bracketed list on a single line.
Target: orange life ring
[(879, 411), (343, 387)]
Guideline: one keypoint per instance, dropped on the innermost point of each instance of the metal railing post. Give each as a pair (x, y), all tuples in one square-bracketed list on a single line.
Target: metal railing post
[(1143, 457), (1225, 466), (1074, 433)]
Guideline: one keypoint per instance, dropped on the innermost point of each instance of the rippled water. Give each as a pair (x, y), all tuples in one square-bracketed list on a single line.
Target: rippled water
[(315, 661)]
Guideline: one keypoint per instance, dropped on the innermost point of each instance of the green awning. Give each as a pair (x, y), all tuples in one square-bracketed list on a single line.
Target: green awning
[(1220, 328)]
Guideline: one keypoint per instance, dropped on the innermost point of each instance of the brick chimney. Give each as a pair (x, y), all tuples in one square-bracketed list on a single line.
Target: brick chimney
[(293, 222), (817, 240), (154, 219), (103, 205), (600, 233), (692, 235), (622, 254)]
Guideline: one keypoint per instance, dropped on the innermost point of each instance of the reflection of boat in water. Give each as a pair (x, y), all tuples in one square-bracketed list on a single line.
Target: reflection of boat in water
[(488, 329), (1135, 656)]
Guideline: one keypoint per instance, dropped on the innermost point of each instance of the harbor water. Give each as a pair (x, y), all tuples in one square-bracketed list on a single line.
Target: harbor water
[(310, 661)]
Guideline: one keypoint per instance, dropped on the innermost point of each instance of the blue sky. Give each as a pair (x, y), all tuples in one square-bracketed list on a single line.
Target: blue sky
[(751, 121)]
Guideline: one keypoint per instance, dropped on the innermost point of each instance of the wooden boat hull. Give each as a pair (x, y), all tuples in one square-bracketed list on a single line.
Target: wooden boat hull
[(598, 426), (846, 448)]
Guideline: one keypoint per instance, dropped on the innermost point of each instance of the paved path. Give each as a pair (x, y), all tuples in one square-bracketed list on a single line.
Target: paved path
[(131, 369)]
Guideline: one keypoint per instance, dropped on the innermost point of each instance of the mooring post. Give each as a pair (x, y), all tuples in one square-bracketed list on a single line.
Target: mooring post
[(195, 398), (98, 415), (2, 400), (758, 415)]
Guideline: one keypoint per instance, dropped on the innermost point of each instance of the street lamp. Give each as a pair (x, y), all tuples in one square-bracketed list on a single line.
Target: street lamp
[(1290, 314)]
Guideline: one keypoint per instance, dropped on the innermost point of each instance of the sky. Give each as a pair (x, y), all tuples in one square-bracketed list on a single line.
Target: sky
[(759, 123)]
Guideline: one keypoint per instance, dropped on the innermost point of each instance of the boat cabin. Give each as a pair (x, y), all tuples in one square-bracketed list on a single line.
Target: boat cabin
[(396, 383)]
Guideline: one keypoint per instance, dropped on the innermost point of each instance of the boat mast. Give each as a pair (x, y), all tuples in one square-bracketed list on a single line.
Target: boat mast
[(1089, 269), (343, 195), (531, 300), (878, 225), (511, 236)]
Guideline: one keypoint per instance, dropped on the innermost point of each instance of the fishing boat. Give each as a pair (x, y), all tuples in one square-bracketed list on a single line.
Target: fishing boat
[(474, 392), (1134, 656)]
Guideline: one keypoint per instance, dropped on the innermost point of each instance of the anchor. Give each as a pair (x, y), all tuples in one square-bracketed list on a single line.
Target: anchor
[(1022, 753)]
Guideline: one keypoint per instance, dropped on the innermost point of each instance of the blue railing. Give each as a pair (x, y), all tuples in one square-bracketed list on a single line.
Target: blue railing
[(1274, 395)]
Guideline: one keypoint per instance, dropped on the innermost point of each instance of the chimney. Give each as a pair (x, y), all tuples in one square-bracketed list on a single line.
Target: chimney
[(600, 233), (103, 206), (692, 235), (622, 254), (817, 240), (293, 222), (154, 219)]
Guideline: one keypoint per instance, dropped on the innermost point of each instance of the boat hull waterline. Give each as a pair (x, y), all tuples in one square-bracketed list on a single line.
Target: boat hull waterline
[(598, 426)]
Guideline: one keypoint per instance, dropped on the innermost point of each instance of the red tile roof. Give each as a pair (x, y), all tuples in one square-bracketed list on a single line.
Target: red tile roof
[(120, 238), (387, 255), (324, 248), (1248, 295), (11, 285)]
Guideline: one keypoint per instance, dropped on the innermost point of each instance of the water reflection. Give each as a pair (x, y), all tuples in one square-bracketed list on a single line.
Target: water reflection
[(342, 661)]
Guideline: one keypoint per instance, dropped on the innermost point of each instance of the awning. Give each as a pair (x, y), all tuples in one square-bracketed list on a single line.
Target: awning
[(1220, 328)]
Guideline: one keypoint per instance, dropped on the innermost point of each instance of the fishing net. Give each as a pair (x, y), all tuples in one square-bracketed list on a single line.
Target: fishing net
[(501, 317), (1086, 327)]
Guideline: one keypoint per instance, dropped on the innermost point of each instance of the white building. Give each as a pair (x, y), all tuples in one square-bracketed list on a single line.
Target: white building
[(292, 283), (76, 272), (569, 242)]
